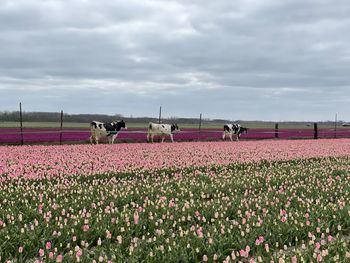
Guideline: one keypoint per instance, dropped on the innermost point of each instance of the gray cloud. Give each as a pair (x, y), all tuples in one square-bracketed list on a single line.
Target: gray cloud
[(246, 59)]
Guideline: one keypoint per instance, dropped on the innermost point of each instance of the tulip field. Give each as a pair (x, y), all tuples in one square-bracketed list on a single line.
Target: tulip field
[(247, 201), (52, 135)]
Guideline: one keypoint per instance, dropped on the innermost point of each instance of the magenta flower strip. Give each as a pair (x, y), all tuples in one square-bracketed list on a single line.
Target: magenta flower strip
[(32, 135)]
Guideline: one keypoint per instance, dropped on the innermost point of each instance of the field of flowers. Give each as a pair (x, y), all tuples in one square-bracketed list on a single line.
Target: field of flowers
[(39, 135), (261, 201)]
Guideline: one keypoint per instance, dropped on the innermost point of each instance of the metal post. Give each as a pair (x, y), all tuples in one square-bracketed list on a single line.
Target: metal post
[(276, 130), (61, 127), (21, 121), (200, 126), (335, 126), (315, 131), (160, 114)]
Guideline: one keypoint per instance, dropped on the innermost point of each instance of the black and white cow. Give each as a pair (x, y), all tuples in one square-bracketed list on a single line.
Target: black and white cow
[(109, 130), (233, 129), (162, 130)]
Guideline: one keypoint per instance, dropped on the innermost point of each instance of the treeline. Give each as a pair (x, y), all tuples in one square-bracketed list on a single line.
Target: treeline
[(54, 117), (14, 116)]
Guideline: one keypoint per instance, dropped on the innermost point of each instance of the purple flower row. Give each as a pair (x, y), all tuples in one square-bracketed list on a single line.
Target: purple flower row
[(33, 135)]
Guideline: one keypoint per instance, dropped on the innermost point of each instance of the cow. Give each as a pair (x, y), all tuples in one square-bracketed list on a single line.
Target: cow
[(162, 130), (109, 130), (233, 129)]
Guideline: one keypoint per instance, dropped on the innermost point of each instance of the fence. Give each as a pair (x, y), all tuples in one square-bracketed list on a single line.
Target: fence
[(60, 135)]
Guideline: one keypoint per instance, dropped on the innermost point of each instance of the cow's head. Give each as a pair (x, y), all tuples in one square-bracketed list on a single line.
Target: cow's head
[(118, 125), (174, 127), (242, 130)]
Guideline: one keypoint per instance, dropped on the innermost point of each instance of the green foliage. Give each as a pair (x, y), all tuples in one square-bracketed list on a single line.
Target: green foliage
[(183, 214)]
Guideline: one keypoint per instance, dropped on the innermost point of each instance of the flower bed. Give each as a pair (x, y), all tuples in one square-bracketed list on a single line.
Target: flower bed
[(248, 201)]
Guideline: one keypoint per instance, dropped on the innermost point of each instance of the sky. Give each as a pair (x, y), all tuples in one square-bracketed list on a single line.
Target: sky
[(243, 59)]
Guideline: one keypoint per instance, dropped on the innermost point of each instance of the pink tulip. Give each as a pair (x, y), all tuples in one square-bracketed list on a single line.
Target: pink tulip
[(59, 258), (317, 245), (79, 253), (243, 253), (136, 218), (48, 245), (199, 232)]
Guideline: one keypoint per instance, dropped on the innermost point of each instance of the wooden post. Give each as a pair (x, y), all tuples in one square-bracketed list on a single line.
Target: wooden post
[(335, 126), (21, 121), (61, 127), (315, 131), (160, 114), (200, 126), (160, 119), (276, 130)]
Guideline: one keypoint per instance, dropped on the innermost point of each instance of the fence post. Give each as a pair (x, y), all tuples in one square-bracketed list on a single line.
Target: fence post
[(160, 114), (276, 130), (200, 126), (335, 126), (160, 119), (61, 127), (21, 121), (315, 131)]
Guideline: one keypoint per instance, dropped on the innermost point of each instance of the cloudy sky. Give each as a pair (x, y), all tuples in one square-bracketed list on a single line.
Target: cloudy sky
[(242, 59)]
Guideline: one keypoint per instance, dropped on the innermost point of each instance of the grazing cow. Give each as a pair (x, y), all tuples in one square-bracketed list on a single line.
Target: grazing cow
[(162, 130), (109, 130), (233, 129)]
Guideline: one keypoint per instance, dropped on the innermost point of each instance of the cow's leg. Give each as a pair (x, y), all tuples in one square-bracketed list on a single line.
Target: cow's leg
[(163, 138), (114, 137), (223, 136), (96, 139), (150, 136), (91, 139), (231, 137), (171, 138)]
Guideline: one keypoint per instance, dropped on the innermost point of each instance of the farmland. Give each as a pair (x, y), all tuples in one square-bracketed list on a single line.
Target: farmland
[(74, 132), (251, 201), (142, 125), (69, 135)]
